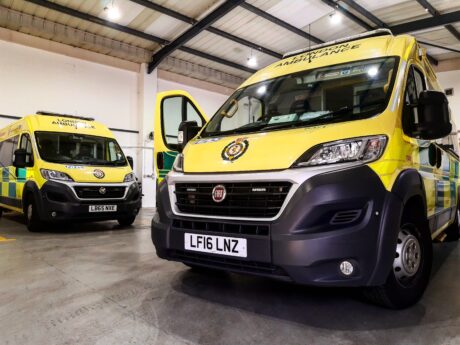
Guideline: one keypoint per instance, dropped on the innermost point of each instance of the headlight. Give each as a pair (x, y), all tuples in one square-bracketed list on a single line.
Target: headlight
[(55, 175), (178, 165), (365, 149), (130, 177)]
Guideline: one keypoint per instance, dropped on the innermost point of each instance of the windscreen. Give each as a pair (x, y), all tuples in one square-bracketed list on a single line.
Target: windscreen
[(344, 92), (70, 148)]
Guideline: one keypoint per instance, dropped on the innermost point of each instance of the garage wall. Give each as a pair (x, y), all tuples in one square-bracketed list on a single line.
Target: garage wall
[(448, 80), (34, 79)]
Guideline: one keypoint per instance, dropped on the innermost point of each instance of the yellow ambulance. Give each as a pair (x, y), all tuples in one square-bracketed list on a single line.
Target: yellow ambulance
[(65, 168), (336, 166)]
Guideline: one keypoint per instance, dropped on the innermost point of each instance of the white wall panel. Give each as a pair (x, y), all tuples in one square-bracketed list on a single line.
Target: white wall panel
[(448, 80)]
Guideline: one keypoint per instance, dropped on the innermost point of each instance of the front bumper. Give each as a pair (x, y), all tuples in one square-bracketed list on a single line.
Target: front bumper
[(58, 203), (303, 244)]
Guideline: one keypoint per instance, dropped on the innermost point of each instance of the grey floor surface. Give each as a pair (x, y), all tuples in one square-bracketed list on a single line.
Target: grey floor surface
[(102, 284)]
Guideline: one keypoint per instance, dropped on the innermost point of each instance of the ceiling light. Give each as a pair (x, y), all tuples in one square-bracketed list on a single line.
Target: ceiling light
[(113, 13), (335, 18), (252, 61)]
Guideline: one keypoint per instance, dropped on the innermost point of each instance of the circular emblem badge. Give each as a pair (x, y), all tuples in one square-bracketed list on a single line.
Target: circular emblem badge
[(219, 193), (235, 149), (102, 190), (98, 173)]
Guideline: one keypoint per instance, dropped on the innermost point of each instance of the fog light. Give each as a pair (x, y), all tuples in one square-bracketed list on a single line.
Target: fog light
[(346, 267), (53, 214)]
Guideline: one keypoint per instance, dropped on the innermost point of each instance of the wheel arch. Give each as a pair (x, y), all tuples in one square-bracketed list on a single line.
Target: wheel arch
[(31, 188), (408, 191)]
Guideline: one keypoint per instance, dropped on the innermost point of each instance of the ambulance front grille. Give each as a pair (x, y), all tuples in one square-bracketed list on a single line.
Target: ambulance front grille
[(242, 199), (100, 192)]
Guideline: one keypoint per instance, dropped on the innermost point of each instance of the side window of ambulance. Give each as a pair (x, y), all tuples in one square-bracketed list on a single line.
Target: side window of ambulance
[(415, 84), (175, 110), (26, 144), (172, 112), (7, 148), (192, 114)]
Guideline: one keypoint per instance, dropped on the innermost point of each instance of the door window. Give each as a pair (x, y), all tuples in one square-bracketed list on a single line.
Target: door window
[(174, 110), (26, 144), (415, 84)]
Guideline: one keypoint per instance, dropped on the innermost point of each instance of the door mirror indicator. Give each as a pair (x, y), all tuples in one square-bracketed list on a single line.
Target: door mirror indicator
[(431, 119), (187, 131), (20, 158)]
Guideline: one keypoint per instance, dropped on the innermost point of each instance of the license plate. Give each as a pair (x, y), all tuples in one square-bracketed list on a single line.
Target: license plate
[(102, 208), (216, 244)]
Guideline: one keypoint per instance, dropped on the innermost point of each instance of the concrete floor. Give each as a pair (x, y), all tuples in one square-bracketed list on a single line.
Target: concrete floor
[(105, 285)]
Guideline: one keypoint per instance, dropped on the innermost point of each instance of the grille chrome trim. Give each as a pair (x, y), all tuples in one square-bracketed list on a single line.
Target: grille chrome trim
[(71, 185)]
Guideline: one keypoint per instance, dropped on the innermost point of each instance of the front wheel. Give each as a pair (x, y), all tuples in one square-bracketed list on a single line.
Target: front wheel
[(126, 221), (33, 221), (410, 273)]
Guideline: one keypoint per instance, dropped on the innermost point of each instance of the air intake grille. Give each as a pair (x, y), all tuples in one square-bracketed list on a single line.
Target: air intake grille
[(345, 217), (229, 264), (257, 199), (222, 228)]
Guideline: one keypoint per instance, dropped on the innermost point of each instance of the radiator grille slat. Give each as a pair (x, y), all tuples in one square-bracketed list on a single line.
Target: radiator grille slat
[(243, 199)]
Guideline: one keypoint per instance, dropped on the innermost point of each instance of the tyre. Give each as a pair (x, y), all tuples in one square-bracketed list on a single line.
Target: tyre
[(33, 221), (1, 212), (411, 269), (126, 221), (453, 230)]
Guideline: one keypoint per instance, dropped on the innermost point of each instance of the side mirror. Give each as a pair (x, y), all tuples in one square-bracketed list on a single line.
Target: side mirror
[(433, 118), (20, 158), (187, 131), (130, 161)]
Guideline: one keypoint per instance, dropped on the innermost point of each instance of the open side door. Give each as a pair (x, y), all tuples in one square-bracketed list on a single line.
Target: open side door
[(172, 107)]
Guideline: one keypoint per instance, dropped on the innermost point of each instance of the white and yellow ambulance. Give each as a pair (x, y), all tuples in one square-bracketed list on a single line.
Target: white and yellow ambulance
[(58, 167), (336, 166)]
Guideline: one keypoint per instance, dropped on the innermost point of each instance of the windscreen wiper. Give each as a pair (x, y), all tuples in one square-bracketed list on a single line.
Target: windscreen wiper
[(243, 129), (320, 118)]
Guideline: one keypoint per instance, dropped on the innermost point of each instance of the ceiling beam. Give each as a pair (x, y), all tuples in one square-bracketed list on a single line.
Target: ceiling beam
[(280, 22), (366, 14), (133, 32), (203, 24), (435, 13), (427, 23), (348, 14), (216, 31)]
